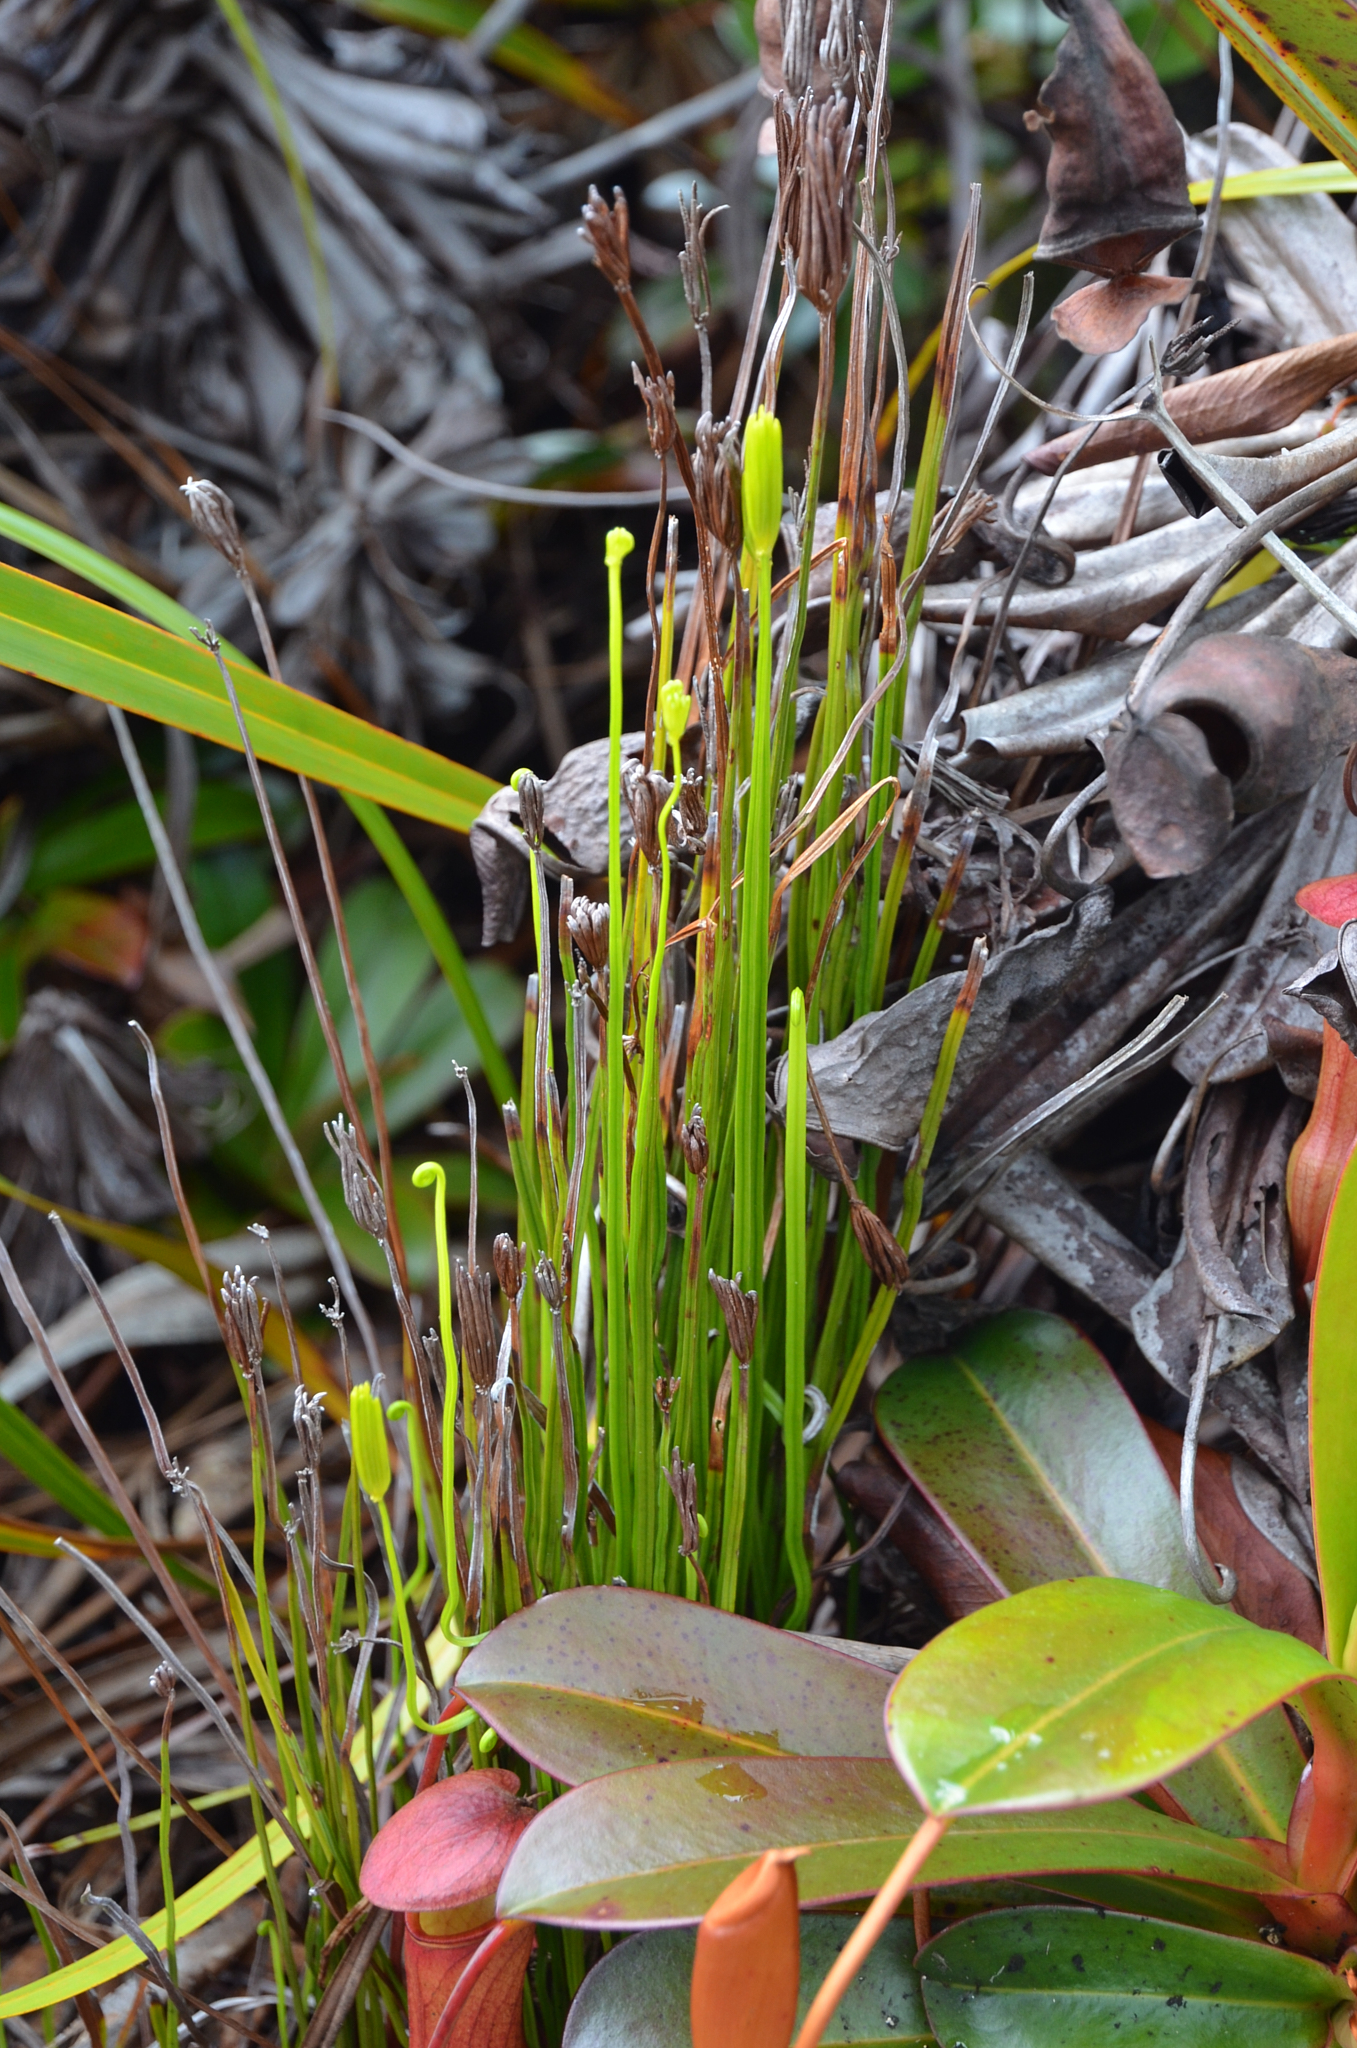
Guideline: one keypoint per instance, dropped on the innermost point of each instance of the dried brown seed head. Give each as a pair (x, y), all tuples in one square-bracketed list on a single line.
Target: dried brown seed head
[(163, 1681), (645, 792), (817, 152), (882, 1250), (588, 923), (741, 1312), (693, 1144), (480, 1339), (717, 474), (531, 807), (550, 1285), (696, 220), (363, 1196), (608, 230), (692, 806), (509, 1261), (244, 1317), (214, 517), (661, 419)]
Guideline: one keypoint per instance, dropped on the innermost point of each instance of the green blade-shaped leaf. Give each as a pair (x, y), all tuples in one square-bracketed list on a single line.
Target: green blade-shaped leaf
[(1307, 52), (50, 632), (1081, 1690), (111, 577), (1060, 1977), (656, 1845), (605, 1678), (1333, 1421), (1022, 1439), (637, 1997), (31, 1451)]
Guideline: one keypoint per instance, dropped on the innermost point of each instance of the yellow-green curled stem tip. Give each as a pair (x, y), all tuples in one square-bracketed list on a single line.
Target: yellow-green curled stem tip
[(618, 546)]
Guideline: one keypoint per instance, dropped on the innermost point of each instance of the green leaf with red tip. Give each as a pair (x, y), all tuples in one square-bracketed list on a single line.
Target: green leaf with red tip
[(655, 1846), (1023, 1440), (1062, 1977), (53, 633), (1080, 1691), (607, 1677)]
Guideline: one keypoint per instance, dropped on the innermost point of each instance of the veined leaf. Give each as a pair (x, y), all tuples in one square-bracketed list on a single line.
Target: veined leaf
[(525, 52), (72, 641), (1079, 1691), (1024, 1442), (605, 1678), (1307, 53), (1333, 1421), (1062, 1977), (655, 1846), (637, 1997)]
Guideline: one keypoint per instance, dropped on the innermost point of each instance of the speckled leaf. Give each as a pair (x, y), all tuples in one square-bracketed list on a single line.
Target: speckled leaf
[(1079, 1691), (1062, 1977), (654, 1847), (604, 1678), (637, 1997), (1307, 52)]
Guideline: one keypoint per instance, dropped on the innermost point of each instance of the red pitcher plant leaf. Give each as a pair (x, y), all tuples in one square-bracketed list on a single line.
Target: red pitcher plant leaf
[(747, 1967)]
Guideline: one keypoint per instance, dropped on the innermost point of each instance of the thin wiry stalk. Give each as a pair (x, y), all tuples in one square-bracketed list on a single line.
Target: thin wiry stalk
[(240, 1037)]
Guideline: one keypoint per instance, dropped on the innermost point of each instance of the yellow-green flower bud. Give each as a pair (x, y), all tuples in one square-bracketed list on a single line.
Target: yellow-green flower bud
[(762, 482), (674, 707), (618, 546), (367, 1442)]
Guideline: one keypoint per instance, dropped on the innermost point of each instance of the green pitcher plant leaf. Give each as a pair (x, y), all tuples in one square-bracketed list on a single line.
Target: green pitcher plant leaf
[(605, 1678), (1080, 1691), (1023, 1440), (73, 641), (638, 1994), (1063, 1977), (1333, 1422), (656, 1845), (1025, 1443)]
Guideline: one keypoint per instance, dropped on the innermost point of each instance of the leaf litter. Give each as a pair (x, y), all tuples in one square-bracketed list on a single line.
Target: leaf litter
[(1121, 840)]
